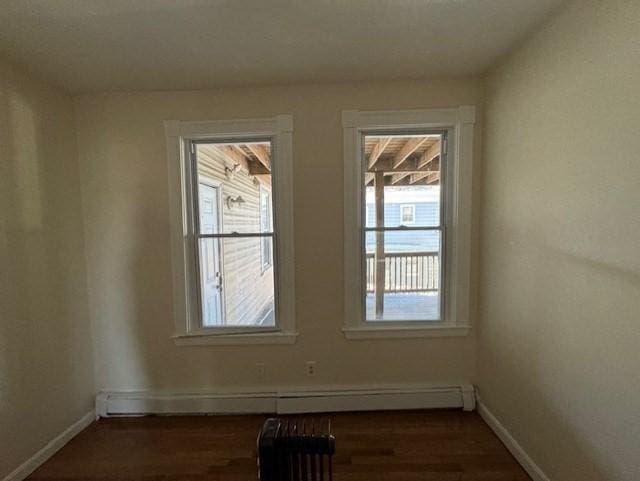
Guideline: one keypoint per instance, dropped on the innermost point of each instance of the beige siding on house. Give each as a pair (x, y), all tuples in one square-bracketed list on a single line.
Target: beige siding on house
[(248, 292)]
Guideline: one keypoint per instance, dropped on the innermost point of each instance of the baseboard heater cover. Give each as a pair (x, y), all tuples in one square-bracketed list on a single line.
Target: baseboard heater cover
[(285, 402)]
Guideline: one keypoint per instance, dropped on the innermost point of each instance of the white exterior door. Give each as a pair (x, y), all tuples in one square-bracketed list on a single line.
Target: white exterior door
[(210, 265)]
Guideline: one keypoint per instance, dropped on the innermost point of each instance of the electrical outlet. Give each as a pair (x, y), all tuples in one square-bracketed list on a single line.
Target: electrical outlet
[(311, 368), (260, 369)]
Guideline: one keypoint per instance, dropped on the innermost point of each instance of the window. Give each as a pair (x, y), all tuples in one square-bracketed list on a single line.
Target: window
[(408, 212), (265, 226), (407, 201), (230, 284), (402, 256)]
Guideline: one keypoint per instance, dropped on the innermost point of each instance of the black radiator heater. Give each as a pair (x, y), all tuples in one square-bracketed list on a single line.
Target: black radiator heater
[(295, 450)]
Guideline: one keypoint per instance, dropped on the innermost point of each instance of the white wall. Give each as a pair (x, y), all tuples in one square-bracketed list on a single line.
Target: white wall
[(559, 338), (124, 181), (46, 375)]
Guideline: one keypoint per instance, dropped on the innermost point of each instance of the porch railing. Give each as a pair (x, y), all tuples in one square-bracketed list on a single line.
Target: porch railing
[(406, 272)]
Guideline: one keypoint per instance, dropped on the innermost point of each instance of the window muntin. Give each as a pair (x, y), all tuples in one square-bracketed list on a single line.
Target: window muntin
[(234, 233), (403, 240)]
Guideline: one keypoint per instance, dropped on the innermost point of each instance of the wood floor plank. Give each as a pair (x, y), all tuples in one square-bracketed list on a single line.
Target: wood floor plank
[(438, 445)]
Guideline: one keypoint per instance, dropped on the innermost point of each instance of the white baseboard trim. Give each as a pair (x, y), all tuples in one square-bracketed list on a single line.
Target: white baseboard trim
[(141, 403), (53, 446), (369, 400), (285, 402), (512, 445)]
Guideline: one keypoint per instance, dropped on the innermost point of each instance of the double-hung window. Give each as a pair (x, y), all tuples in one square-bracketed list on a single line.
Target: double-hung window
[(407, 215), (231, 217)]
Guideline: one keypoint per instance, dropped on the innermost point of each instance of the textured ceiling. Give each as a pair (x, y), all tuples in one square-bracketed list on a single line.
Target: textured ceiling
[(97, 45)]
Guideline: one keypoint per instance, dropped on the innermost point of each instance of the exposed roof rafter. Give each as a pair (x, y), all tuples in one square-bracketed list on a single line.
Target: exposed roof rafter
[(233, 155), (395, 178), (407, 149), (261, 154), (434, 179), (431, 153), (378, 149)]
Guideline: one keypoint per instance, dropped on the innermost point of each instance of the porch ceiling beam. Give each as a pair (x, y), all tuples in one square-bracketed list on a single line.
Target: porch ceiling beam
[(239, 150), (386, 165), (428, 175), (378, 149), (434, 178), (431, 153), (416, 177), (233, 156), (256, 168), (407, 149), (261, 154), (395, 178)]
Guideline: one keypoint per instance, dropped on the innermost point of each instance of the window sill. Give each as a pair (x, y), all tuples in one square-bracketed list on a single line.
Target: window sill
[(404, 332), (236, 339)]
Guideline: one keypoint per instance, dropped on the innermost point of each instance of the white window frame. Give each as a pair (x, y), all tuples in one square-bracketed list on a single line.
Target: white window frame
[(179, 138), (264, 265), (413, 214), (459, 124)]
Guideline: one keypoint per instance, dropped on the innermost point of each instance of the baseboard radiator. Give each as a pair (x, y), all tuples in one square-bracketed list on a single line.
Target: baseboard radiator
[(295, 450)]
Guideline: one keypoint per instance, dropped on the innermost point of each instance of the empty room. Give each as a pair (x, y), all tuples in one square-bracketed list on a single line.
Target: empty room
[(320, 240)]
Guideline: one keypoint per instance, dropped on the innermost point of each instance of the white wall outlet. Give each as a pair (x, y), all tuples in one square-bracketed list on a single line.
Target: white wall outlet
[(311, 368), (260, 369)]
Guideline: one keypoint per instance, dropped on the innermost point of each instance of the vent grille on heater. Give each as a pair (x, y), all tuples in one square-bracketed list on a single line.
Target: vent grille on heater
[(295, 450)]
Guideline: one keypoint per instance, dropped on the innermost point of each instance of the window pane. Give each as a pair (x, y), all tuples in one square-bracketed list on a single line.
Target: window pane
[(240, 173), (409, 263), (407, 168), (235, 289), (266, 246), (211, 283)]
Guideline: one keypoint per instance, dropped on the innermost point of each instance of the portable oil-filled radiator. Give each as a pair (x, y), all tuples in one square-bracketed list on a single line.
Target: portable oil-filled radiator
[(295, 450)]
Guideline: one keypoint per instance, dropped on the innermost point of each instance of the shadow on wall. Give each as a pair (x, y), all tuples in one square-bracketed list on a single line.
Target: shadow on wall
[(571, 374), (44, 329), (540, 406)]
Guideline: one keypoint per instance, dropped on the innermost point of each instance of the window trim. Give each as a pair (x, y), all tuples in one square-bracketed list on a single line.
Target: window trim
[(459, 122), (179, 136)]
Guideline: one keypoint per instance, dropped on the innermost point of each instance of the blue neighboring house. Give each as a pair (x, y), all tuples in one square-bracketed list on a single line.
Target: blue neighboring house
[(409, 206)]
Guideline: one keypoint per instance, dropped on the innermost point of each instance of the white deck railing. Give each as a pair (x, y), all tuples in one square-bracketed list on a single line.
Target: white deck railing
[(406, 272)]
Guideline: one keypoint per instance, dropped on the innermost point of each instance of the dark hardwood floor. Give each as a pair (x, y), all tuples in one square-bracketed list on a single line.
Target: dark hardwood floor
[(381, 446)]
